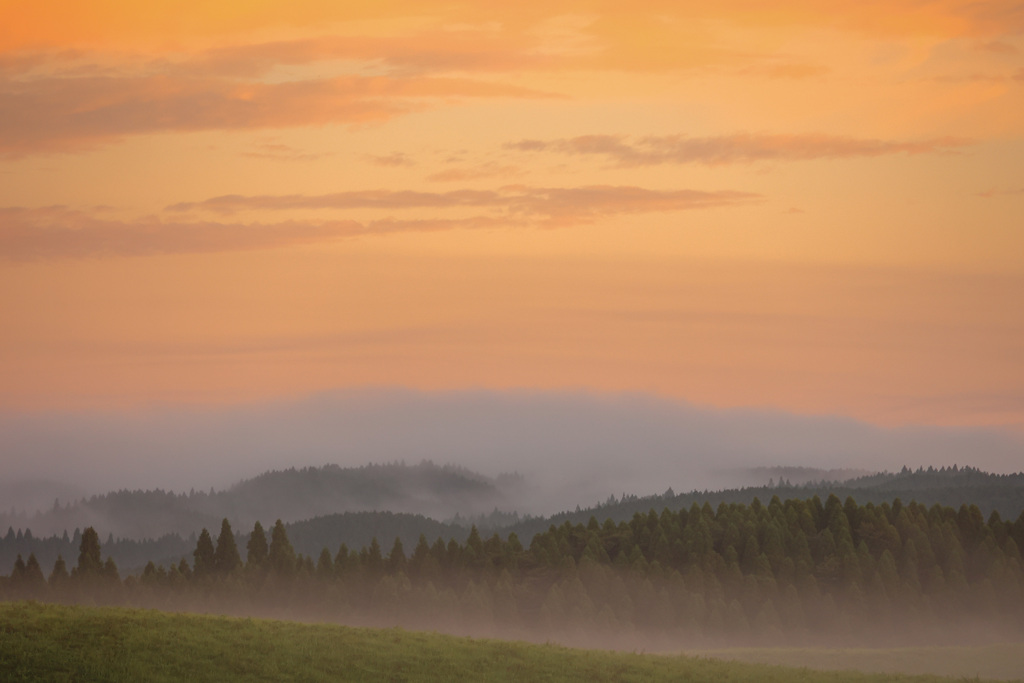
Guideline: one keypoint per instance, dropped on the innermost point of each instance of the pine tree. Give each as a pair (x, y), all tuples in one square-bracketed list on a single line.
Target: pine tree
[(110, 570), (33, 572), (59, 573), (396, 558), (324, 566), (256, 548), (281, 555), (225, 557), (204, 556), (372, 560), (89, 562), (18, 572)]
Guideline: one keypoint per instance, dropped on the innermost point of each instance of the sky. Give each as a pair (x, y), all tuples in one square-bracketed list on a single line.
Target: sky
[(805, 209)]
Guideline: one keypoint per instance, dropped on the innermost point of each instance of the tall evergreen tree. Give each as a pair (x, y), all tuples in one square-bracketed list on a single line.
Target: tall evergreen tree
[(372, 560), (226, 558), (204, 555), (18, 572), (325, 566), (110, 570), (281, 554), (33, 572), (59, 573), (256, 548), (89, 561), (396, 558)]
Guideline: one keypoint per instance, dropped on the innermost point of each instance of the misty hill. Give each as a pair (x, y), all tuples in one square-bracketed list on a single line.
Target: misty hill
[(950, 487), (798, 571), (759, 476), (309, 537), (947, 486), (290, 495)]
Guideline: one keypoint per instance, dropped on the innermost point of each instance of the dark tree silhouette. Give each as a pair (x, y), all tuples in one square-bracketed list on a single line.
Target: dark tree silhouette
[(59, 573), (281, 555), (225, 557), (204, 555), (90, 563), (256, 548)]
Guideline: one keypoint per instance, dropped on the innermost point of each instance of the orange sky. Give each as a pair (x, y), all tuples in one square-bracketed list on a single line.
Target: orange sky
[(807, 207)]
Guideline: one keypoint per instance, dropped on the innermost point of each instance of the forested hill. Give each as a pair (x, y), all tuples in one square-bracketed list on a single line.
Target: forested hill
[(794, 571), (950, 487), (290, 495), (354, 529)]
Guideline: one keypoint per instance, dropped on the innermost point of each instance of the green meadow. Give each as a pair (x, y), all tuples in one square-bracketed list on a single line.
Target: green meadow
[(40, 642), (1003, 661)]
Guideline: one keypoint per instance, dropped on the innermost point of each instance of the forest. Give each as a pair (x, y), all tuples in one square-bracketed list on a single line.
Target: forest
[(297, 493), (801, 570), (317, 510)]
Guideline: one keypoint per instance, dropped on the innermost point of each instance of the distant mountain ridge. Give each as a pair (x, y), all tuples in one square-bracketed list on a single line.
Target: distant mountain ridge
[(439, 491), (282, 491), (948, 486)]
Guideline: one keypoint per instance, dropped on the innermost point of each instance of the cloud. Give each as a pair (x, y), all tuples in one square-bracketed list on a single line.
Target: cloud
[(468, 49), (364, 199), (988, 194), (545, 205), (393, 159), (276, 151), (464, 173), (997, 47), (63, 114), (784, 69), (730, 149), (59, 232), (572, 447)]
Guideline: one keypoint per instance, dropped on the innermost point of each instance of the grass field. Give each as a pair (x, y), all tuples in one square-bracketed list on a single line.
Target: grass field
[(57, 643), (1003, 661)]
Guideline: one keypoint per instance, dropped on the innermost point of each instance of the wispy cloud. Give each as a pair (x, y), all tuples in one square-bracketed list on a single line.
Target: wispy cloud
[(469, 49), (28, 234), (60, 114), (469, 173), (731, 149), (276, 151), (988, 194), (393, 159), (544, 205)]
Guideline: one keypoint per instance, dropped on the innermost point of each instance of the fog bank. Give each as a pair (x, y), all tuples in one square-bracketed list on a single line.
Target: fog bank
[(573, 448)]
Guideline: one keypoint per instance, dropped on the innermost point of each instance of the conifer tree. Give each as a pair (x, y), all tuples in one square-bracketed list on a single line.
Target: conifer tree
[(18, 572), (110, 570), (324, 565), (59, 573), (225, 557), (343, 560), (396, 558), (89, 561), (204, 556), (256, 548), (281, 555), (33, 572), (373, 561), (184, 570), (474, 549)]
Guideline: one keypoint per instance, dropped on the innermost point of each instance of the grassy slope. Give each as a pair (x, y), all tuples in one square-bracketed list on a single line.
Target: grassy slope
[(1001, 661), (57, 643)]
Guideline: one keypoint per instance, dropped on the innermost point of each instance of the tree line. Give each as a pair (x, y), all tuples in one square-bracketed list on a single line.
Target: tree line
[(788, 571)]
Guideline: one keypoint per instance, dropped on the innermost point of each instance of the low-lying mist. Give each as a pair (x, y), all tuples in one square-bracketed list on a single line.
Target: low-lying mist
[(572, 448)]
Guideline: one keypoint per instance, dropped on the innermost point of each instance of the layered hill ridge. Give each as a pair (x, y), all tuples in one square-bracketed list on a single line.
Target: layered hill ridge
[(437, 491), (287, 494)]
